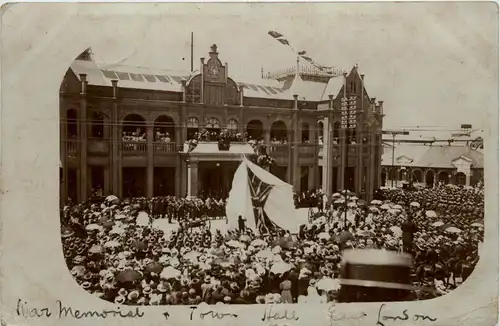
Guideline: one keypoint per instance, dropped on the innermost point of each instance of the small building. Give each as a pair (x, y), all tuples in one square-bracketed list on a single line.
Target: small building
[(428, 165)]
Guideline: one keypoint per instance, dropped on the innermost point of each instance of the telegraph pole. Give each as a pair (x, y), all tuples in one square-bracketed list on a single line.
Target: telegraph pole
[(394, 133)]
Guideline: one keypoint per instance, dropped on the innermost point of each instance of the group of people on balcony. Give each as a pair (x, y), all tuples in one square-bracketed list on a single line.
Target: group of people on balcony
[(162, 137), (137, 136)]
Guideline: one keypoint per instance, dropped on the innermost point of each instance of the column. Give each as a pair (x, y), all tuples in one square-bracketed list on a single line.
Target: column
[(82, 132), (371, 168), (178, 176), (184, 176), (115, 159), (193, 178), (296, 133), (327, 157), (311, 182), (150, 162), (343, 160), (290, 168), (467, 179)]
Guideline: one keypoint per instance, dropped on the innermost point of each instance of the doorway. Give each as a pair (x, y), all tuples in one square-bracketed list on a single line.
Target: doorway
[(134, 182), (164, 181)]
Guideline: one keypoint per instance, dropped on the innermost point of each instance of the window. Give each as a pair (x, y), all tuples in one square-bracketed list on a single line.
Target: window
[(232, 126), (212, 123), (164, 79), (192, 122), (123, 75)]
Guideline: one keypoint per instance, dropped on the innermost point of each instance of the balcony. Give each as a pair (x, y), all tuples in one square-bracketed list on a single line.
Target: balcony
[(133, 148), (306, 150), (161, 148), (98, 146), (335, 150), (277, 150)]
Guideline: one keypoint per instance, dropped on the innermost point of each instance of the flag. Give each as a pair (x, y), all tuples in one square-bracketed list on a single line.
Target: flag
[(307, 58), (259, 192), (275, 34), (283, 41), (302, 52)]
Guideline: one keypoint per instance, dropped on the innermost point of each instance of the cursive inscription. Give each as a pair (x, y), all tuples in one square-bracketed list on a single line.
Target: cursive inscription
[(270, 315), (403, 316), (340, 316), (211, 314), (63, 311), (25, 311)]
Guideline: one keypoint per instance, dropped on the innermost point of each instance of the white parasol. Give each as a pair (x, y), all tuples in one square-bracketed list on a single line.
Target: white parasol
[(397, 207), (351, 204), (436, 224), (112, 199), (258, 243), (93, 226), (453, 229), (117, 230), (376, 202), (142, 219), (280, 267), (169, 273), (235, 244), (323, 235), (478, 225), (396, 230), (385, 206), (112, 244), (328, 284), (339, 201), (430, 214), (414, 204)]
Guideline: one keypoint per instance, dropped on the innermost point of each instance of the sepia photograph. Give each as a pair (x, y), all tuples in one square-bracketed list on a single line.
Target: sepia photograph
[(271, 155), (183, 185)]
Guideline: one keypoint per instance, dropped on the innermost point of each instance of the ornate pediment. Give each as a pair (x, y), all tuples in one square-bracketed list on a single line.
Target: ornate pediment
[(404, 160)]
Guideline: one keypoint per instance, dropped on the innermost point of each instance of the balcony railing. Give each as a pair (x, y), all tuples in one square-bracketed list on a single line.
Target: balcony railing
[(164, 148), (306, 150), (98, 146), (132, 147), (335, 150), (278, 149)]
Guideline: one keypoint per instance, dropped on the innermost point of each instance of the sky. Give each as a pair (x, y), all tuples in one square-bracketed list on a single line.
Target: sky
[(435, 65)]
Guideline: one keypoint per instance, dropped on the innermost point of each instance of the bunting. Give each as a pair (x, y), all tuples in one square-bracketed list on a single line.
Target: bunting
[(303, 54)]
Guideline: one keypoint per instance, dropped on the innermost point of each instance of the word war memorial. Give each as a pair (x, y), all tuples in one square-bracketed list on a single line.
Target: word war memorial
[(181, 188)]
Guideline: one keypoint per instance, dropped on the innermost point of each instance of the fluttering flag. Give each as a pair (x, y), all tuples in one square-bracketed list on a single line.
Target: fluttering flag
[(302, 52), (275, 34), (283, 40), (308, 59)]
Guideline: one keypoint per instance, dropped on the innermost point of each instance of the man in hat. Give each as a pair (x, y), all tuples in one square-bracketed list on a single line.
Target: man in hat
[(408, 228), (241, 223)]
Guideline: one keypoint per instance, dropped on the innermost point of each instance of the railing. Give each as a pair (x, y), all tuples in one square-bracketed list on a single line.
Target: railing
[(132, 147), (306, 150), (98, 146), (278, 149), (335, 150), (71, 146), (164, 148)]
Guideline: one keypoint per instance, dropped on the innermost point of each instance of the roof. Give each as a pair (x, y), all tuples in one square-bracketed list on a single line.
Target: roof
[(100, 74), (213, 147), (443, 156), (404, 152)]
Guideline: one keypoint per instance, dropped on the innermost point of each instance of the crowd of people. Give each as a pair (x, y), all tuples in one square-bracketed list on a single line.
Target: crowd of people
[(138, 135), (118, 251)]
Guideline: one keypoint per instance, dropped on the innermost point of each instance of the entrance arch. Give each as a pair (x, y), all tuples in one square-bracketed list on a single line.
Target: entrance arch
[(164, 127), (417, 176), (461, 178), (279, 132), (134, 128), (429, 178), (255, 129), (444, 177)]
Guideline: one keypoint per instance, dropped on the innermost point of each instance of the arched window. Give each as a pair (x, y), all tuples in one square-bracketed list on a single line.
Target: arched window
[(134, 128), (192, 127), (213, 125), (305, 132), (232, 126), (279, 133), (255, 129), (71, 126), (164, 127)]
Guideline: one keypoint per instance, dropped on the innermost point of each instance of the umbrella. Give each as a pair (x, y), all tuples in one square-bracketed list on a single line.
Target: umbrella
[(280, 267), (385, 206), (93, 226), (258, 243), (112, 199), (397, 207), (351, 205), (245, 238), (96, 249), (235, 244), (414, 204), (479, 225), (430, 214), (436, 224), (192, 256), (120, 216), (393, 211), (339, 201), (117, 230), (66, 232), (328, 284), (366, 233), (142, 219), (376, 202), (153, 267), (373, 209), (170, 272), (112, 244), (128, 275), (453, 229), (396, 230), (323, 235), (266, 253), (336, 194)]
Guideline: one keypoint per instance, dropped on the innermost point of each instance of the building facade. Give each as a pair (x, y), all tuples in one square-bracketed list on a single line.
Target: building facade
[(124, 129)]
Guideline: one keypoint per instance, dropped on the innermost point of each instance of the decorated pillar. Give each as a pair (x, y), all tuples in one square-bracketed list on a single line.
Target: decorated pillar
[(150, 162), (82, 139), (193, 178)]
